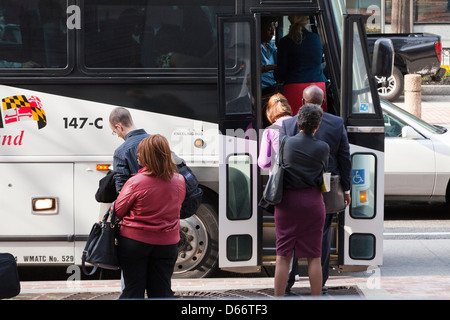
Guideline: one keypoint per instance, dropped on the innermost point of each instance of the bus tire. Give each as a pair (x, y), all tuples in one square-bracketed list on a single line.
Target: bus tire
[(391, 88), (198, 246)]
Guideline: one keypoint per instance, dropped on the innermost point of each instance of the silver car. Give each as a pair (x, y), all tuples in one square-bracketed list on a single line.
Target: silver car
[(417, 157)]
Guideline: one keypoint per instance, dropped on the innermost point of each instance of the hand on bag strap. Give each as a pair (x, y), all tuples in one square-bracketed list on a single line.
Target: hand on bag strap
[(111, 213)]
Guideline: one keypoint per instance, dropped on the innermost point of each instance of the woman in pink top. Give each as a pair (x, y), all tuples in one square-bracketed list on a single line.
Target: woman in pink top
[(278, 110), (149, 205)]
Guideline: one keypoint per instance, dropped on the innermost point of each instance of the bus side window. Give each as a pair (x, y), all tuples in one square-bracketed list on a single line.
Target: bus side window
[(33, 34), (166, 35), (11, 43), (53, 24), (147, 43), (167, 42)]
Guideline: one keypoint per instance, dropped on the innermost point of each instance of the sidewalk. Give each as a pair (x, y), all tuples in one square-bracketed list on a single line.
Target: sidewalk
[(435, 108), (371, 287)]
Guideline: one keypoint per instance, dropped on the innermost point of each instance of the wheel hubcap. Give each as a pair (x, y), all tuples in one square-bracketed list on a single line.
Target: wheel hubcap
[(387, 85), (192, 245)]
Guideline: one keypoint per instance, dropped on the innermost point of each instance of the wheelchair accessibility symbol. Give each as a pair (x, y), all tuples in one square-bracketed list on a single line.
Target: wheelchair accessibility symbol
[(364, 107), (358, 176)]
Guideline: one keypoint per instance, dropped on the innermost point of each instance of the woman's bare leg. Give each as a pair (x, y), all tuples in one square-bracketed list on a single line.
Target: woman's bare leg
[(282, 274), (315, 276)]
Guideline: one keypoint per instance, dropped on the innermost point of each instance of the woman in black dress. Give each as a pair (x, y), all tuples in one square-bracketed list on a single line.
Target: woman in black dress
[(299, 218)]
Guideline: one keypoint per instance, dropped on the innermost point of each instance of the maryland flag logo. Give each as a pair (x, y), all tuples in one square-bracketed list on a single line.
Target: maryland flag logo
[(20, 108)]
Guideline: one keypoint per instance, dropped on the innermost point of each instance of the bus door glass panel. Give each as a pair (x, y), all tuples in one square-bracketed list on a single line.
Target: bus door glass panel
[(238, 87), (362, 98), (363, 186), (361, 227), (238, 219), (239, 247)]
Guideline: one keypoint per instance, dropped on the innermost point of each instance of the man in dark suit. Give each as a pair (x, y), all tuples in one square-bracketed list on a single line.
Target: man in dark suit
[(332, 131)]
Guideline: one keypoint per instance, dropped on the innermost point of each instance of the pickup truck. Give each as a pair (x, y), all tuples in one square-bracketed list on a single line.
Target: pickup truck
[(415, 53)]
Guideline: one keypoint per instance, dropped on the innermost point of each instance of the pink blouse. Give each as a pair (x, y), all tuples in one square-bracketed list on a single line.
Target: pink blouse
[(269, 145)]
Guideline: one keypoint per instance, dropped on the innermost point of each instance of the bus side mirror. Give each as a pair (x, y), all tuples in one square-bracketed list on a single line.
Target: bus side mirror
[(383, 58)]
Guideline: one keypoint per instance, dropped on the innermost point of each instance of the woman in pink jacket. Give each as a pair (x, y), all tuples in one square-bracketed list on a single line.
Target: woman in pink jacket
[(149, 205), (278, 110)]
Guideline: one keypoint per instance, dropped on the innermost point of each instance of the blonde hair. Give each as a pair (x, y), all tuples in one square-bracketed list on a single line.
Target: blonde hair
[(277, 107), (295, 30), (155, 155)]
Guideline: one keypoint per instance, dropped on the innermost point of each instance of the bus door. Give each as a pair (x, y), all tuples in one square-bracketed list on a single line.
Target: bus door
[(239, 224), (360, 231)]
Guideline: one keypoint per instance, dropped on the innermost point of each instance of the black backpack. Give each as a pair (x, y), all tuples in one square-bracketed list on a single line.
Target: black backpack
[(194, 194), (9, 276)]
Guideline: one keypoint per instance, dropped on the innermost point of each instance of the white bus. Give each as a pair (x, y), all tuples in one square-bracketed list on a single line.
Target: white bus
[(175, 64)]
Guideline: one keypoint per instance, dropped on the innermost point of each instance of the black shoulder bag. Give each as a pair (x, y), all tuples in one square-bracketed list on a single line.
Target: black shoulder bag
[(101, 246), (273, 193)]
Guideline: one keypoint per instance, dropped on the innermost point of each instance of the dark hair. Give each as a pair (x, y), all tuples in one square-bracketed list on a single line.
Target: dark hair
[(267, 21), (154, 153), (309, 117)]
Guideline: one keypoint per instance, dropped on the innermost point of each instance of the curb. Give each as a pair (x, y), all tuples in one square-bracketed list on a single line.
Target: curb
[(436, 90)]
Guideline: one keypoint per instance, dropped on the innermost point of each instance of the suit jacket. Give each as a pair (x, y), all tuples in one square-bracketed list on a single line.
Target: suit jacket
[(305, 158), (300, 63), (332, 131)]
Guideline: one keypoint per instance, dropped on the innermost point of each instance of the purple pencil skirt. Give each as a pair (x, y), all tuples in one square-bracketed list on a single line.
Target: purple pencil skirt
[(299, 221)]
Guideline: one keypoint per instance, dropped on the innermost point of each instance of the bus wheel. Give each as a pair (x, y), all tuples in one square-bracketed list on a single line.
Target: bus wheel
[(197, 249)]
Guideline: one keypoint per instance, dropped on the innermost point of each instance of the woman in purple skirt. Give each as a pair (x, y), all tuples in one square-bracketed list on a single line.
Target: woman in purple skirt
[(299, 218)]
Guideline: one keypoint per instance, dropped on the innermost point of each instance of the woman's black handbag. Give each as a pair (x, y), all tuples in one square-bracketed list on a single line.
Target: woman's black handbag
[(273, 193), (101, 246)]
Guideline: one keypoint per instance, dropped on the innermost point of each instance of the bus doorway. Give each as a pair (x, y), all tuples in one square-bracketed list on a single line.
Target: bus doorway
[(351, 94)]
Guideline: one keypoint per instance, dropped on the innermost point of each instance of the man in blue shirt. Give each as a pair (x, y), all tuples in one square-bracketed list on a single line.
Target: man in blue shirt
[(125, 160)]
